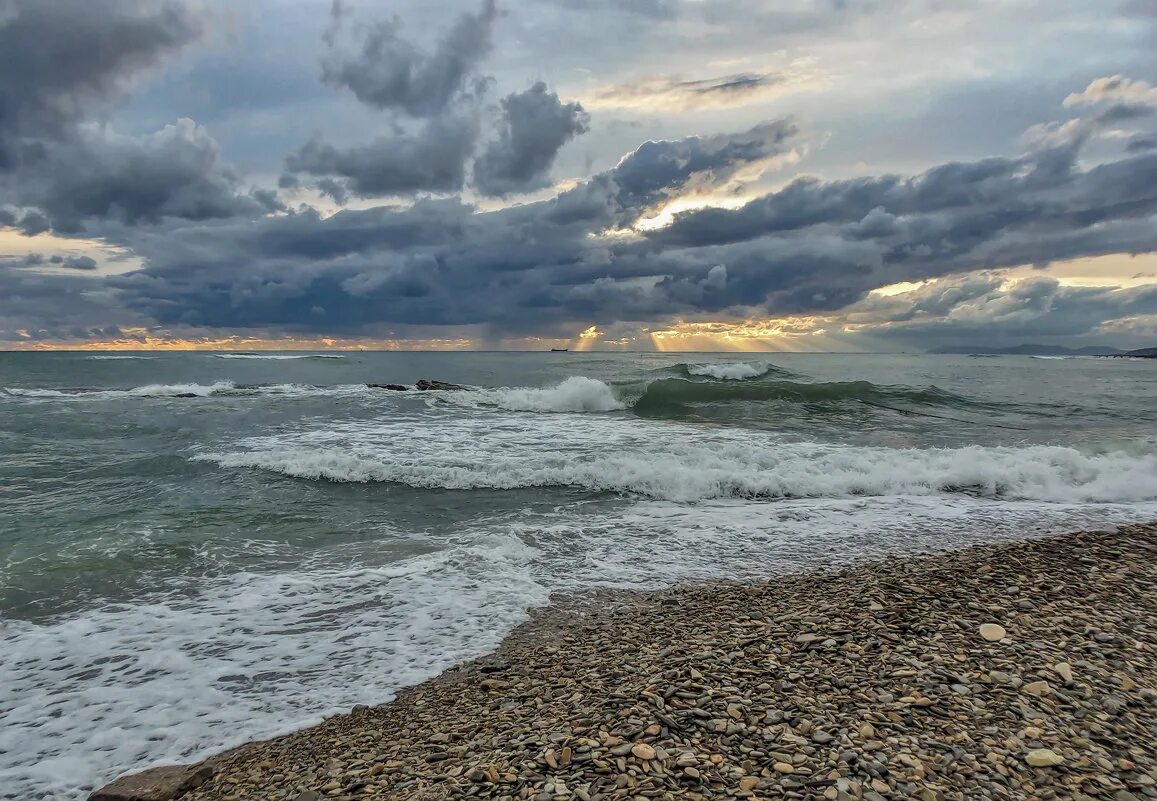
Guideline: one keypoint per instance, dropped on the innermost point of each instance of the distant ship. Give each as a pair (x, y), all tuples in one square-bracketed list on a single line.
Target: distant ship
[(559, 350)]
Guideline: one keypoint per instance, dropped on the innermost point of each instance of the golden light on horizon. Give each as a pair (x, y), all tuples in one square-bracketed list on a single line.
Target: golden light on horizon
[(141, 339)]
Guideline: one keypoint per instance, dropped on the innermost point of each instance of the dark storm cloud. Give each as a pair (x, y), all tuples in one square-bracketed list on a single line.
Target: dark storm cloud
[(176, 172), (65, 262), (61, 61), (387, 71), (656, 168), (438, 262), (431, 159), (666, 92), (984, 311), (55, 303), (1142, 142), (812, 247), (59, 57), (535, 125), (656, 9)]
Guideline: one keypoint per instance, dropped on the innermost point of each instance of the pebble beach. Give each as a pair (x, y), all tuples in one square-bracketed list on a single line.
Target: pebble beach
[(1025, 670)]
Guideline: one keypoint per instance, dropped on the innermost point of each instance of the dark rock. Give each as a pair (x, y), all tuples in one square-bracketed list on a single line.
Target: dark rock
[(394, 387), (157, 784), (425, 385)]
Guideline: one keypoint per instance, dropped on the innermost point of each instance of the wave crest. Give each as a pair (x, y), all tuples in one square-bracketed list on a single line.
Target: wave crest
[(276, 356), (575, 394), (730, 371), (699, 471)]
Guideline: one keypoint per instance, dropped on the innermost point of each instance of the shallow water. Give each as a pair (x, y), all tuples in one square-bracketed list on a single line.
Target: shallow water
[(199, 549)]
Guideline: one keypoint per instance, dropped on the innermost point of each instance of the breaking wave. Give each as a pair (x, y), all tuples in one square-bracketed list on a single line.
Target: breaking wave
[(575, 394), (730, 371), (276, 356), (704, 470), (672, 397), (216, 389), (116, 358)]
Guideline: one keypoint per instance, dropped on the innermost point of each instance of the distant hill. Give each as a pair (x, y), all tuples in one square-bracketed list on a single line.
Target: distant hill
[(1148, 353), (1042, 350)]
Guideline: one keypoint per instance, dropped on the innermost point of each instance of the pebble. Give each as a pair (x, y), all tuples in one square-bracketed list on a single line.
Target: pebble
[(643, 751), (1043, 758), (865, 684), (993, 632)]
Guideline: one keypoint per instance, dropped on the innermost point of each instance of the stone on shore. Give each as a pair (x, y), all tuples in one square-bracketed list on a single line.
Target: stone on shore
[(156, 784), (993, 632), (711, 692), (1043, 758)]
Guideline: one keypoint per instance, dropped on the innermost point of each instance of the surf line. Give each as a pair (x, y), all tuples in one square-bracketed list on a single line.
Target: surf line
[(939, 416)]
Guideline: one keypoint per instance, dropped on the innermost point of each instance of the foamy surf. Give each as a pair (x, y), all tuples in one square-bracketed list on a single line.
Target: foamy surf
[(191, 390), (276, 357), (685, 463), (252, 655), (730, 371), (575, 394)]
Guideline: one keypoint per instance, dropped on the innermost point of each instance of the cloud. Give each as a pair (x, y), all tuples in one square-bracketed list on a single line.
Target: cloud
[(432, 159), (1141, 143), (102, 175), (987, 310), (59, 58), (39, 260), (535, 125), (389, 72), (659, 169), (1115, 88), (61, 62), (663, 93), (655, 9), (812, 248)]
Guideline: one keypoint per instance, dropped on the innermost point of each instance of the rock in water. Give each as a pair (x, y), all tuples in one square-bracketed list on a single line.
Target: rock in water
[(426, 385), (1043, 758), (158, 784), (992, 632), (394, 387)]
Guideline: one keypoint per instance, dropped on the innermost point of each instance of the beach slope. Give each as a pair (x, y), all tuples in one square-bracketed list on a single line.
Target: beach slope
[(1021, 670)]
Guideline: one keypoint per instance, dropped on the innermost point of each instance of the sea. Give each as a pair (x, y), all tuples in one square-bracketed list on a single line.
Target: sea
[(199, 549)]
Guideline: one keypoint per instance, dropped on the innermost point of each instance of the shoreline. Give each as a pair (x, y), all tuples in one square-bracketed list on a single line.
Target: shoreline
[(872, 681)]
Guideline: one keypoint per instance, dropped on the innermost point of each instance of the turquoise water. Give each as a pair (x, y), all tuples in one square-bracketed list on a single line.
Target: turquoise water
[(197, 550)]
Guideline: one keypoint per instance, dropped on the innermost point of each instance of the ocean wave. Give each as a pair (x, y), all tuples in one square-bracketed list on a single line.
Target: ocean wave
[(575, 394), (117, 358), (191, 390), (671, 396), (730, 371), (276, 356), (729, 469)]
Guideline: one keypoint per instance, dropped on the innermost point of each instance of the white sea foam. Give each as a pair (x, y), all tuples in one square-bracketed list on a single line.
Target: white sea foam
[(575, 394), (730, 371), (252, 655), (248, 656), (684, 463), (117, 357), (692, 473), (276, 356), (173, 390), (216, 389)]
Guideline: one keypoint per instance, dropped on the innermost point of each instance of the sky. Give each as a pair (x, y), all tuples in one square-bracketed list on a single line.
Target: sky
[(775, 175)]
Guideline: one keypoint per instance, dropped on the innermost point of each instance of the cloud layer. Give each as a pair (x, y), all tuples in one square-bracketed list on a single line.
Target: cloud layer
[(475, 204)]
